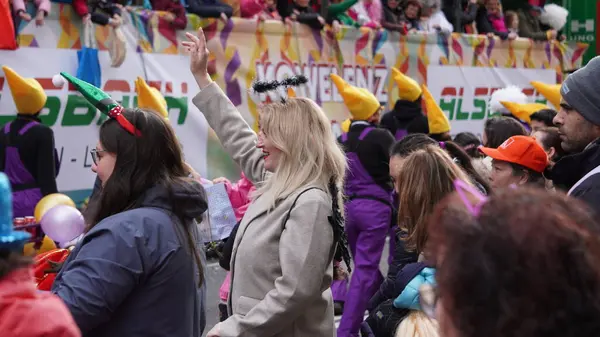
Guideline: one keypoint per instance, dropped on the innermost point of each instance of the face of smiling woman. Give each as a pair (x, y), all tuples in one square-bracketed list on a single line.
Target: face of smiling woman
[(271, 154)]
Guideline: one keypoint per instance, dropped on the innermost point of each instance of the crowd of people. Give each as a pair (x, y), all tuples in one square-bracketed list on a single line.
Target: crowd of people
[(527, 19), (491, 237)]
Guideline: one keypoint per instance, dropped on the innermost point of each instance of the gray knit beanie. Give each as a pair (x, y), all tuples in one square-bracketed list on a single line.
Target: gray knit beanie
[(580, 90)]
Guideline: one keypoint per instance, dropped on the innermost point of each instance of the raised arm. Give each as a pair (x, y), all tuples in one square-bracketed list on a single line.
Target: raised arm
[(234, 133)]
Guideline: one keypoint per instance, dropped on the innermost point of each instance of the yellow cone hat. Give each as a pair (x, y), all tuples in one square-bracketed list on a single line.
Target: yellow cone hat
[(346, 125), (28, 94), (524, 111), (550, 91), (361, 103), (436, 118), (150, 98), (408, 89)]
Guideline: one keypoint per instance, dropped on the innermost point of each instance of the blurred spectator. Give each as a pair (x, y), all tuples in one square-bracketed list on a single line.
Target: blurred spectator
[(393, 16), (367, 13), (549, 139), (490, 21), (412, 13), (511, 20), (498, 129), (338, 13), (530, 26), (260, 9), (433, 19), (210, 9), (101, 12), (461, 14), (300, 11), (469, 142), (542, 118), (43, 9), (176, 17)]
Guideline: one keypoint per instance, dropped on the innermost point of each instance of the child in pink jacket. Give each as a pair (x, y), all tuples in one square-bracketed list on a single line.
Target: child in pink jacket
[(239, 196), (43, 9), (260, 9)]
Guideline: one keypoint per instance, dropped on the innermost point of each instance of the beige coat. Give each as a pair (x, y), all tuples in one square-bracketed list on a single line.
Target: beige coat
[(280, 278)]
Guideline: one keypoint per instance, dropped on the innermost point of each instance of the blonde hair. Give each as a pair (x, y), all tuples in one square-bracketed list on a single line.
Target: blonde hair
[(417, 324), (425, 177), (310, 153)]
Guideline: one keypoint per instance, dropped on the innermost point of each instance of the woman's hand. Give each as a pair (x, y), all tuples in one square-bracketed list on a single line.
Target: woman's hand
[(215, 331), (196, 46)]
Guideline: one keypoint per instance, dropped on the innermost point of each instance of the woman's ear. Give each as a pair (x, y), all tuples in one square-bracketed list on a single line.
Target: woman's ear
[(524, 178), (551, 153)]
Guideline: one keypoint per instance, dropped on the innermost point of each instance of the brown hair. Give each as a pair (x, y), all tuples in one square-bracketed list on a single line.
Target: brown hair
[(11, 260), (509, 17), (551, 139), (515, 270), (425, 178)]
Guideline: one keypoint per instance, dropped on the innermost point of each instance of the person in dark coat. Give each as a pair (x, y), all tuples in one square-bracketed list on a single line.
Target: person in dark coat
[(369, 199), (139, 268), (300, 11), (407, 113), (460, 13), (578, 122), (27, 153)]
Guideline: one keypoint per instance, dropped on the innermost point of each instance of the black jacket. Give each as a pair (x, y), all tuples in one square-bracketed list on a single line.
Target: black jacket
[(37, 152), (461, 15), (403, 114), (570, 169)]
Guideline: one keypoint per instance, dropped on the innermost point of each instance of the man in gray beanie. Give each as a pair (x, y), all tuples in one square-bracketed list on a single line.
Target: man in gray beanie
[(578, 121)]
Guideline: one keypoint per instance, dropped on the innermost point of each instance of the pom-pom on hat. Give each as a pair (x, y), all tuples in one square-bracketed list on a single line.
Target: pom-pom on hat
[(361, 103), (103, 102), (408, 89), (9, 238), (150, 98), (27, 93), (436, 118), (509, 94)]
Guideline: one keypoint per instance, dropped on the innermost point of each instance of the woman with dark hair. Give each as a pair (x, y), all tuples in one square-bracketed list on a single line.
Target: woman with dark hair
[(498, 129), (549, 139), (25, 311), (469, 143), (138, 270), (536, 271), (417, 141)]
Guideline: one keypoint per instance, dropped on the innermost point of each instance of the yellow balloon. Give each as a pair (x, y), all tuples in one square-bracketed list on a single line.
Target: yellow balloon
[(47, 245), (50, 201)]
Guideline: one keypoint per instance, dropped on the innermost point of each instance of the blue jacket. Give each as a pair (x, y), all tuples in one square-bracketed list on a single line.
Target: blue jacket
[(133, 274), (409, 297)]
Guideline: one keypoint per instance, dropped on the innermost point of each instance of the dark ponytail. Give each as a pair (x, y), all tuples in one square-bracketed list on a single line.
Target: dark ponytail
[(464, 160)]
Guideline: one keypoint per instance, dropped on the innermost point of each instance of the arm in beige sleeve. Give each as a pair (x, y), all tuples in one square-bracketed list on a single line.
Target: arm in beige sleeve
[(234, 133)]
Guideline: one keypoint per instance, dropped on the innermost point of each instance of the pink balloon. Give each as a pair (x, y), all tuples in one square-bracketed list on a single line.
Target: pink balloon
[(63, 223)]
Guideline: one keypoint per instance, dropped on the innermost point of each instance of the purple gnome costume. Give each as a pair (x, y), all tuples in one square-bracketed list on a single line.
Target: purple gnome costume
[(27, 153), (369, 200)]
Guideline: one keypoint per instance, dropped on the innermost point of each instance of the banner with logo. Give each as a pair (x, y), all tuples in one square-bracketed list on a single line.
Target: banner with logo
[(456, 67), (582, 24)]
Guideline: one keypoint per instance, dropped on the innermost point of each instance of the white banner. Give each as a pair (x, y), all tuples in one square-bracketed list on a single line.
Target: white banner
[(464, 92), (76, 127)]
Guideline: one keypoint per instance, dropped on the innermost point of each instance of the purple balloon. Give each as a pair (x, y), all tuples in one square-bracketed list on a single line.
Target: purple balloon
[(63, 223)]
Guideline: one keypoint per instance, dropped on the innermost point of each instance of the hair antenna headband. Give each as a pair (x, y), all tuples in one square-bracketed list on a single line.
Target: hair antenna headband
[(279, 87)]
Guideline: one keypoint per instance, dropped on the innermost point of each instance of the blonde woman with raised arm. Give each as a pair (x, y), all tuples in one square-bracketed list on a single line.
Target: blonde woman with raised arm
[(282, 259)]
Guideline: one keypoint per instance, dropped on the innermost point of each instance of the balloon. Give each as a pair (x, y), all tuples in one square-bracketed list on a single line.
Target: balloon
[(47, 245), (63, 223), (50, 201)]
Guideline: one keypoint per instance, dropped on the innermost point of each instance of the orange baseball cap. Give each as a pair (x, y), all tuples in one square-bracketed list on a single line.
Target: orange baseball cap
[(521, 150)]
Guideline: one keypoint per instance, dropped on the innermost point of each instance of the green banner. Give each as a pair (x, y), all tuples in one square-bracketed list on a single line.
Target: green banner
[(581, 24)]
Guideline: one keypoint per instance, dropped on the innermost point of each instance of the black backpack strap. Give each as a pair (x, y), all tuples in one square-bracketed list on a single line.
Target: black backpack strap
[(287, 216)]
